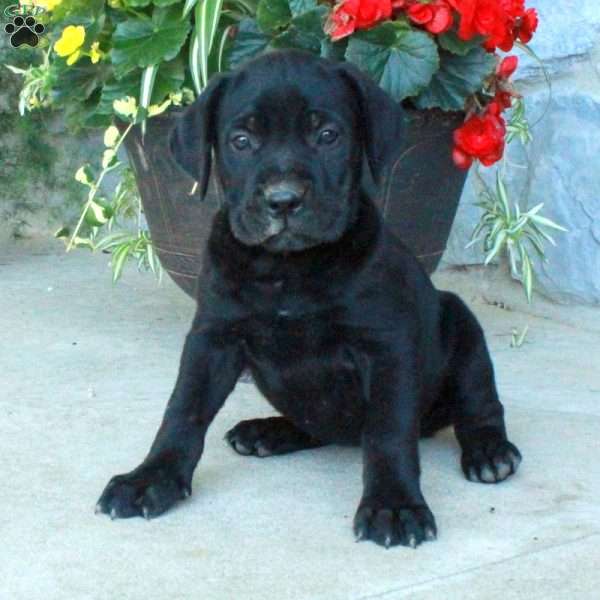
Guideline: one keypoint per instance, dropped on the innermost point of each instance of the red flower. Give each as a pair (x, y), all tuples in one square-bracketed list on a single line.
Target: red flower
[(480, 138), (513, 8), (350, 15), (436, 17), (499, 21), (507, 67), (527, 25), (504, 98), (460, 159)]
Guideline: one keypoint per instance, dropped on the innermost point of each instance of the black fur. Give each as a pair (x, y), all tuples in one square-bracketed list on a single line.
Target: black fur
[(340, 326)]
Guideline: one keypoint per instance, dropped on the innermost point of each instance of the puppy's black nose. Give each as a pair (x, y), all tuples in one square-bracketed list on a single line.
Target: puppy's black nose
[(284, 198)]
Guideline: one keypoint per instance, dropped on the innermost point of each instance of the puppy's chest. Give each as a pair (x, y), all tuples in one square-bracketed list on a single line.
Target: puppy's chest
[(304, 364), (286, 318)]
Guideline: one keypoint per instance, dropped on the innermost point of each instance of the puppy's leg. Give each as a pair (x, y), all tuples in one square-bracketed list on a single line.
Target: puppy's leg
[(392, 510), (487, 455), (207, 374), (266, 437)]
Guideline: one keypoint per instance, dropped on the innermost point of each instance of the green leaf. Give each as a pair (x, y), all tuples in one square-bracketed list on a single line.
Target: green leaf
[(141, 43), (165, 2), (401, 60), (117, 262), (69, 13), (527, 273), (547, 222), (273, 15), (537, 243), (113, 240), (208, 13), (146, 87), (542, 233), (169, 78), (63, 232), (334, 50), (189, 4), (497, 246), (299, 7), (136, 3), (151, 257), (95, 216), (305, 32), (451, 42), (502, 194), (457, 78), (78, 81), (248, 7), (248, 42), (194, 64), (216, 62)]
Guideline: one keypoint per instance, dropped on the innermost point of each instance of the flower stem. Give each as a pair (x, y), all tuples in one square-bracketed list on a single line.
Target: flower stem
[(93, 190)]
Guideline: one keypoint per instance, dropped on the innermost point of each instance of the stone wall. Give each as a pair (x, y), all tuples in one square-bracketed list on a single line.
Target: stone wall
[(38, 159), (563, 161)]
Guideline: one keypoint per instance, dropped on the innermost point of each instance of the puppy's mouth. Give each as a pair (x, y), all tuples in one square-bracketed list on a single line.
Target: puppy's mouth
[(285, 233), (276, 227), (280, 237)]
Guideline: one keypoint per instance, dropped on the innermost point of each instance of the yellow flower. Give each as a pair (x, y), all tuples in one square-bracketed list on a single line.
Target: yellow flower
[(70, 42), (111, 135), (126, 106), (157, 109), (95, 53), (45, 4), (82, 176)]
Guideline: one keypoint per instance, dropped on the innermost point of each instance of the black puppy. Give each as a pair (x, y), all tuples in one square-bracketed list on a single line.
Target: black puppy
[(303, 284)]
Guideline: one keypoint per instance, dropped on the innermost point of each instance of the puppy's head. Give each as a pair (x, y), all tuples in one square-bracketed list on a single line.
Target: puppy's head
[(289, 132)]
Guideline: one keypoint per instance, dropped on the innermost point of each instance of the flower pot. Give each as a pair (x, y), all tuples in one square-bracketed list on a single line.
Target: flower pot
[(418, 198)]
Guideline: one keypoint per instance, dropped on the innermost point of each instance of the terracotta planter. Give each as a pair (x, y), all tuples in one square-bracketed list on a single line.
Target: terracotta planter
[(418, 199)]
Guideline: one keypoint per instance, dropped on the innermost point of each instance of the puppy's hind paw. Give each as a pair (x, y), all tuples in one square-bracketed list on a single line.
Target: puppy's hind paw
[(266, 437), (490, 462)]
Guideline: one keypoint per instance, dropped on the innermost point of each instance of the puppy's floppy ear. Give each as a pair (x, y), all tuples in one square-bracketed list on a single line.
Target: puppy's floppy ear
[(381, 120), (193, 137)]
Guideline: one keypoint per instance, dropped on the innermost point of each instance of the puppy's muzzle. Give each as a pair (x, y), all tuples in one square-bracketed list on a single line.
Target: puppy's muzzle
[(284, 198)]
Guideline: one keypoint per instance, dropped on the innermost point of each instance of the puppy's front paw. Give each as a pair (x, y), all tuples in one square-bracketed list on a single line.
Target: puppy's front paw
[(393, 526), (147, 491), (490, 461)]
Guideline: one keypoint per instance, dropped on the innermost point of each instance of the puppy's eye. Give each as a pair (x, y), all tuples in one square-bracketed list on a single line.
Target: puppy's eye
[(327, 136), (240, 142)]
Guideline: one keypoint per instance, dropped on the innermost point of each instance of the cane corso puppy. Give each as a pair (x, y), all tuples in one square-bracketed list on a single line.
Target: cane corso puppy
[(304, 285)]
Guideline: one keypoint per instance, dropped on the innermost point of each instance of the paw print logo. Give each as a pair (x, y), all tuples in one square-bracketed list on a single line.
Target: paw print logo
[(24, 30)]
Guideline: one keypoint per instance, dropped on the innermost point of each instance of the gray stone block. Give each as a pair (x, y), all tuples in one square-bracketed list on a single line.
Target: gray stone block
[(563, 171), (568, 31)]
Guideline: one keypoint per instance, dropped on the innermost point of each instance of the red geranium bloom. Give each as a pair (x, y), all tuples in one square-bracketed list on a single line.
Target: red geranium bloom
[(477, 17), (460, 159), (436, 16), (480, 138), (504, 98), (350, 15), (527, 26), (492, 19), (507, 67), (513, 8)]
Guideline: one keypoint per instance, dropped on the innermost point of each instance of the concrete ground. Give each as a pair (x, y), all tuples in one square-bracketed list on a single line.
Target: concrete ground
[(87, 368)]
